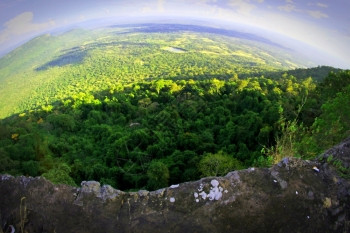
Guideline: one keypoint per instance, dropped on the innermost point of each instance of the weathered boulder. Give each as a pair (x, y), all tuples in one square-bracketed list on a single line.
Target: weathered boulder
[(292, 196)]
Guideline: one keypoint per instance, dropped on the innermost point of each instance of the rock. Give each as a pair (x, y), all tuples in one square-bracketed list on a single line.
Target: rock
[(341, 152), (91, 187), (143, 193), (259, 200), (174, 186)]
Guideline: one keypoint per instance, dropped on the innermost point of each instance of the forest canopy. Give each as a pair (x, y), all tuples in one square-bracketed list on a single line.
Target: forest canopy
[(151, 134), (147, 106)]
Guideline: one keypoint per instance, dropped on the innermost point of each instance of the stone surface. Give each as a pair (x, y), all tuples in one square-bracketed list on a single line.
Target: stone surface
[(289, 197)]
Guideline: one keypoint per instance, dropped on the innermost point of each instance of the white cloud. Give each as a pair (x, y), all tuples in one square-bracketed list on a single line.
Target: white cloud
[(106, 11), (241, 6), (317, 14), (82, 18), (329, 41), (22, 25), (288, 8), (207, 1), (146, 10), (161, 5), (319, 4)]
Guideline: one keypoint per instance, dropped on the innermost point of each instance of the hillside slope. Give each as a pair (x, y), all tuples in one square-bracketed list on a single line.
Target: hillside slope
[(51, 68)]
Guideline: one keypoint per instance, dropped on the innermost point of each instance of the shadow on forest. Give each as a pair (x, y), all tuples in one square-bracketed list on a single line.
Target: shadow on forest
[(76, 55)]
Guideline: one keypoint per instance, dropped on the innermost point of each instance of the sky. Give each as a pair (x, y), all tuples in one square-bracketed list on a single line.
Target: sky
[(323, 25)]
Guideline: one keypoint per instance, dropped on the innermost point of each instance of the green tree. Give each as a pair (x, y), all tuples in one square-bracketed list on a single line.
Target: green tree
[(60, 174), (218, 164), (215, 86), (333, 125), (158, 175)]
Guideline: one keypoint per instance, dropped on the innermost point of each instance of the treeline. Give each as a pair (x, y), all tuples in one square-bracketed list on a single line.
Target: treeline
[(155, 133), (318, 73)]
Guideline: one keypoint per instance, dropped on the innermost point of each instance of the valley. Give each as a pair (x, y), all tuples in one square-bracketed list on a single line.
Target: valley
[(51, 68), (137, 107)]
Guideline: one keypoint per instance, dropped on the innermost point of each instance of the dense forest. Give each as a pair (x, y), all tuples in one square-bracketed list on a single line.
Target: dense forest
[(153, 133), (54, 67), (146, 106)]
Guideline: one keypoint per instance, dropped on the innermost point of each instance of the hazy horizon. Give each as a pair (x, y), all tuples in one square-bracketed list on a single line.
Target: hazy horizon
[(319, 29)]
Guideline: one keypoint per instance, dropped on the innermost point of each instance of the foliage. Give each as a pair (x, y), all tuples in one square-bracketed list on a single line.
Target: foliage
[(218, 164), (131, 114), (60, 175), (152, 133), (264, 160), (343, 171), (52, 68), (318, 73), (158, 175), (284, 146), (333, 123)]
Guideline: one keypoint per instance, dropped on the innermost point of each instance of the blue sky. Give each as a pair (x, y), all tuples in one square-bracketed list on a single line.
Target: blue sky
[(321, 24)]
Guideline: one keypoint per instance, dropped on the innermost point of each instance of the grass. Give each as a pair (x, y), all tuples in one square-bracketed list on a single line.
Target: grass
[(23, 214), (23, 219), (340, 168)]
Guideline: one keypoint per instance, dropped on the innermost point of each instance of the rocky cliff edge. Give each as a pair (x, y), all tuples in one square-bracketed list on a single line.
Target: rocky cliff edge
[(293, 196)]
